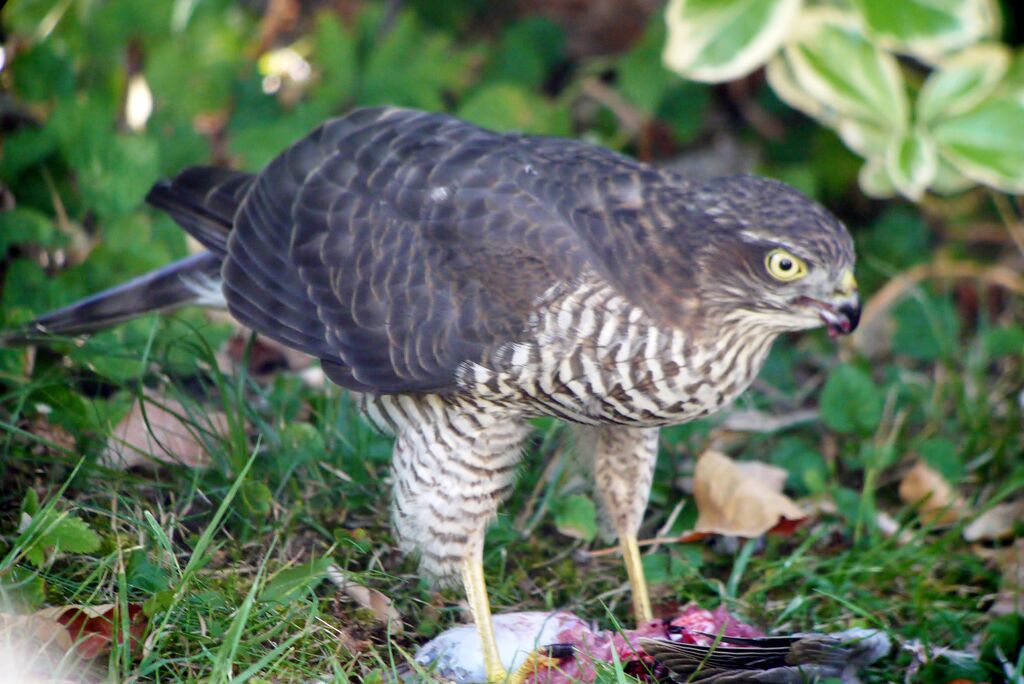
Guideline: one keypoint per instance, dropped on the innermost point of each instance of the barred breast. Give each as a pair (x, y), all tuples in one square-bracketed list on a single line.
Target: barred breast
[(594, 358)]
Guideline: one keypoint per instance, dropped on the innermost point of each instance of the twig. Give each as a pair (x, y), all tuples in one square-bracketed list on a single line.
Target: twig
[(630, 118), (894, 290), (1013, 223), (681, 539), (663, 530)]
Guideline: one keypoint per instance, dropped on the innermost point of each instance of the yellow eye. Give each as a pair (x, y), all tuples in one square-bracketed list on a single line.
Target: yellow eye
[(784, 266)]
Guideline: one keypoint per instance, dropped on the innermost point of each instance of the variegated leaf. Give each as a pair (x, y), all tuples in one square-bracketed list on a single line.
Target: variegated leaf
[(911, 162), (836, 64), (983, 143), (962, 81), (929, 29), (720, 40)]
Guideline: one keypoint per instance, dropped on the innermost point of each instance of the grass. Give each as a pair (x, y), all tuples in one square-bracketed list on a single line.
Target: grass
[(229, 560)]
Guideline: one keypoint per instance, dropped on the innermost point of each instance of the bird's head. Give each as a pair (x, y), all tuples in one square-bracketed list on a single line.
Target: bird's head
[(775, 256)]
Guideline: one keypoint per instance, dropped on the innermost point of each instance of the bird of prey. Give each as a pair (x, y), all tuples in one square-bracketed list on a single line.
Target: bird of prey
[(460, 281)]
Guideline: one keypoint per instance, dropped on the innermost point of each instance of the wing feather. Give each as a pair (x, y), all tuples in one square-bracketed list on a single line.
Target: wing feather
[(396, 245)]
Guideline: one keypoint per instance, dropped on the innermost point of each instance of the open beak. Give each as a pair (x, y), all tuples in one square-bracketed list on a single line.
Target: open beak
[(842, 313), (841, 316)]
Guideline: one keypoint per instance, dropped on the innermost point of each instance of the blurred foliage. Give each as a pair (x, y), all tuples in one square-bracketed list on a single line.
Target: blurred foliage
[(100, 99), (922, 89)]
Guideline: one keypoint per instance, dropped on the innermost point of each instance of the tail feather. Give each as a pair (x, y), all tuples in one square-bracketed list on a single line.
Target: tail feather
[(203, 201), (193, 280)]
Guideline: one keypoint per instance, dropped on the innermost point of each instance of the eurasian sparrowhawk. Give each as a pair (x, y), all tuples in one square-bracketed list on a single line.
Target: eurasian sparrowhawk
[(462, 281)]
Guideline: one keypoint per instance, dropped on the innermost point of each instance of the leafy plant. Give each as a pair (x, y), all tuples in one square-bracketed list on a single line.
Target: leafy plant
[(921, 89)]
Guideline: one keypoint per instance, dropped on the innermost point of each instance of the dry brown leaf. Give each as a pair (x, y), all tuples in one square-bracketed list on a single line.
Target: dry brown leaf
[(91, 628), (1009, 560), (376, 602), (157, 434), (769, 475), (937, 503), (41, 647), (996, 523), (366, 597), (732, 501)]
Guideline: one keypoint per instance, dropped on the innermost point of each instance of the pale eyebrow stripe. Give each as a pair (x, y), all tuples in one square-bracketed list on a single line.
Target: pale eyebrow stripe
[(767, 238)]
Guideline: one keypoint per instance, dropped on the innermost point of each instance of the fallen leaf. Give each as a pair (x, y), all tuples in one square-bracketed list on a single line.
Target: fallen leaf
[(753, 420), (159, 435), (996, 523), (91, 628), (936, 501), (54, 436), (771, 476), (730, 500), (1009, 560), (55, 645), (369, 598)]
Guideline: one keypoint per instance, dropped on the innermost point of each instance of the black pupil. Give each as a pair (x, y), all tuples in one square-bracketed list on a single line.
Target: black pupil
[(785, 264)]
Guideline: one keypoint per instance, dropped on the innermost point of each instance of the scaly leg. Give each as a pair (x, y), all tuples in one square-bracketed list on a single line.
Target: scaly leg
[(453, 465), (623, 464), (637, 581), (480, 607)]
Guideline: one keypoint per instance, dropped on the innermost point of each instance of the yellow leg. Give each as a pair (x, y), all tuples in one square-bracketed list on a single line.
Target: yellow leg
[(635, 570), (535, 663), (476, 594)]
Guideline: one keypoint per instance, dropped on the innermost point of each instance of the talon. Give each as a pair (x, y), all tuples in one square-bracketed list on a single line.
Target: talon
[(541, 659)]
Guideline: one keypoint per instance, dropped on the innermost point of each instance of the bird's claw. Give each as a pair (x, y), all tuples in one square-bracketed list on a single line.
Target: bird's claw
[(538, 660)]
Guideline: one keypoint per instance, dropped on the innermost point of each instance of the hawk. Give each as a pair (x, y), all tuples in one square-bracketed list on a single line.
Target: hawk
[(460, 282)]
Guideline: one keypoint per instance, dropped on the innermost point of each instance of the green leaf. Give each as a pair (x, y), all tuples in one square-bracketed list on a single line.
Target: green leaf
[(962, 82), (25, 148), (942, 455), (412, 67), (506, 107), (144, 574), (985, 143), (60, 531), (926, 328), (42, 73), (912, 162), (256, 498), (26, 290), (26, 587), (641, 77), (835, 64), (898, 239), (949, 181), (302, 442), (721, 40), (875, 181), (851, 402), (71, 534), (288, 585), (999, 342), (576, 516), (527, 52), (928, 28), (30, 504), (23, 226), (806, 467), (335, 59)]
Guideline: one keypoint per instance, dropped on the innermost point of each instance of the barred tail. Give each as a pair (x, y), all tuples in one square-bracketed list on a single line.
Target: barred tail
[(193, 280)]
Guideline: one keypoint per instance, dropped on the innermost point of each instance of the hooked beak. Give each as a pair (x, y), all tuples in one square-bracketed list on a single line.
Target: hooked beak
[(841, 312)]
